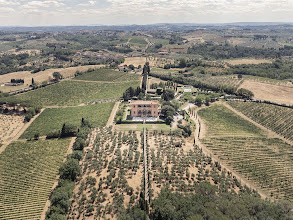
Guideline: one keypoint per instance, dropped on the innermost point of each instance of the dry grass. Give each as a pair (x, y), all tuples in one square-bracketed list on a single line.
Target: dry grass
[(154, 61), (273, 93), (10, 125), (40, 76), (247, 61)]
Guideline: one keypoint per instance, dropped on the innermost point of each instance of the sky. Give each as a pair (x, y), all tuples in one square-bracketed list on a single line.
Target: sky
[(121, 12)]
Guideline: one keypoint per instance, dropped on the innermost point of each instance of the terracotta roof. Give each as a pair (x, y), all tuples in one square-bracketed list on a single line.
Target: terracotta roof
[(144, 102)]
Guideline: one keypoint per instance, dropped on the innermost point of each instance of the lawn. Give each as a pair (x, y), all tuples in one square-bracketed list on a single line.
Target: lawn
[(53, 119), (72, 93), (108, 75), (221, 121), (27, 173)]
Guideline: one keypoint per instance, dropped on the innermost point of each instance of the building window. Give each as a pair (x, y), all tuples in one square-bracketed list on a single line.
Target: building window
[(134, 112)]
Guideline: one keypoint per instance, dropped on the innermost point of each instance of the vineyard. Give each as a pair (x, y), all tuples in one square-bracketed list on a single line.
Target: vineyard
[(52, 119), (221, 81), (266, 162), (70, 93), (27, 173), (108, 75), (278, 119), (222, 122)]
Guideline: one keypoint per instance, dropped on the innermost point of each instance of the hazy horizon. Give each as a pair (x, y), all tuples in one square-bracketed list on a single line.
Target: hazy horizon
[(141, 12)]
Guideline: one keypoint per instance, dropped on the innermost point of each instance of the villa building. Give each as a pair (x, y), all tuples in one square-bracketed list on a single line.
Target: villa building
[(140, 108)]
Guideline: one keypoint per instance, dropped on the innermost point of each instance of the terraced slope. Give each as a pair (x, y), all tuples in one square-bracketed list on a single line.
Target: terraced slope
[(27, 173)]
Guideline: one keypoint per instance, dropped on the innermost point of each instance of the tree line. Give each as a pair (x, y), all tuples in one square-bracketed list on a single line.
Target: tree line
[(227, 51)]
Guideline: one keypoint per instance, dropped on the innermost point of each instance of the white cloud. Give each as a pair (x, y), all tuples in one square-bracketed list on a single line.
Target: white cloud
[(43, 4), (7, 3), (6, 10), (147, 11), (90, 3)]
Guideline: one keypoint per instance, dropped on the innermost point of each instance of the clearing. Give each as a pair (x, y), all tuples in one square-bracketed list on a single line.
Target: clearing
[(274, 93)]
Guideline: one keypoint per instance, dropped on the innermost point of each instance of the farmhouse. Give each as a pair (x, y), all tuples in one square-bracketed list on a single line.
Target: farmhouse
[(140, 108)]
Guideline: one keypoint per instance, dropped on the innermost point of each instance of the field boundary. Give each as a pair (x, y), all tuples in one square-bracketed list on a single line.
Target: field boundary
[(112, 115), (48, 203), (22, 130), (269, 131), (199, 135)]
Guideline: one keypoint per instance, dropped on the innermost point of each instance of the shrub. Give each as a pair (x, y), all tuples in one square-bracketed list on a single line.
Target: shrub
[(70, 170), (53, 134)]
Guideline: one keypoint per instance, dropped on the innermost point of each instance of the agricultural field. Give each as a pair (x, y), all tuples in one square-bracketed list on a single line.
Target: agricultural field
[(113, 166), (52, 119), (181, 168), (72, 93), (39, 77), (221, 121), (111, 175), (274, 93), (27, 173), (247, 61), (276, 118), (218, 81), (267, 162), (10, 125), (108, 75), (137, 41)]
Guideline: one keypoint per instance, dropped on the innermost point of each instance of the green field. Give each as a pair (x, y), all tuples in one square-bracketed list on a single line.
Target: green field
[(108, 75), (138, 40), (72, 93), (277, 118), (27, 173), (221, 121), (265, 161), (53, 119)]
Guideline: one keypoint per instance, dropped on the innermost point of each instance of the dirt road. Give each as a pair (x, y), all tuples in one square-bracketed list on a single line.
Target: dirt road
[(113, 113), (199, 134), (270, 133)]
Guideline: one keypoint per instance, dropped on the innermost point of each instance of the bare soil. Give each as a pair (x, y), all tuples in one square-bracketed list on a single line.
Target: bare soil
[(274, 93), (10, 125), (247, 61), (15, 135)]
